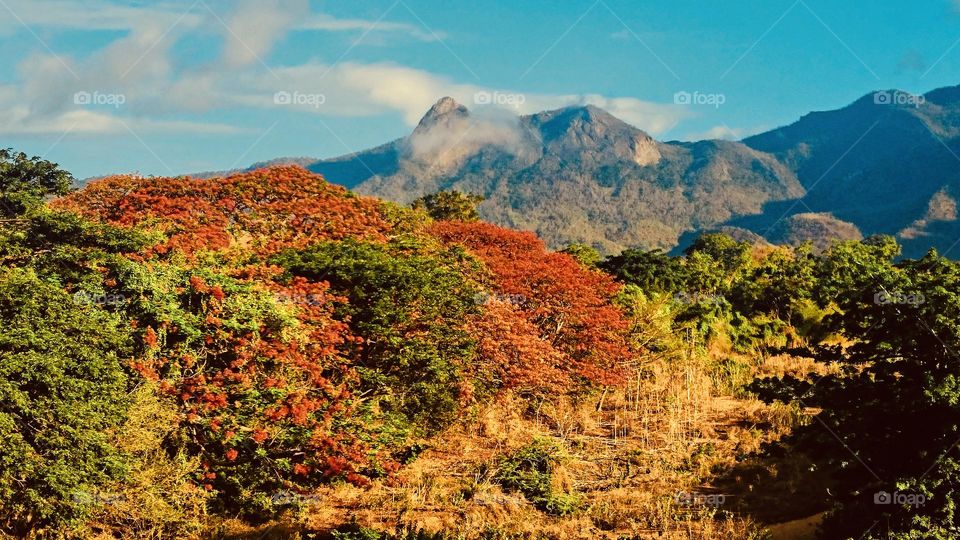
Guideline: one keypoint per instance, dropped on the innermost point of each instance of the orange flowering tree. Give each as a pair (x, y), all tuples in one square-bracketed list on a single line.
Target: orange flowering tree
[(571, 306), (264, 211)]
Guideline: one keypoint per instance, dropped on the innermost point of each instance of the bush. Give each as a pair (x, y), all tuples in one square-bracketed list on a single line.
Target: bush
[(409, 306), (158, 498), (530, 471), (62, 396)]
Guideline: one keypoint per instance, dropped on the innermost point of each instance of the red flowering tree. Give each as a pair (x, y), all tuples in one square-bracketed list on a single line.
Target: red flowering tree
[(265, 210), (267, 363), (265, 392), (570, 306), (512, 354)]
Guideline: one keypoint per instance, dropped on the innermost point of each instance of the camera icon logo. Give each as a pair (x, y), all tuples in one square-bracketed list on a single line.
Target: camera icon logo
[(882, 497), (82, 98), (483, 98), (283, 98), (683, 98), (882, 98)]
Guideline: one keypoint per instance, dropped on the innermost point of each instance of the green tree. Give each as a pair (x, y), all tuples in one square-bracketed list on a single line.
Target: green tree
[(776, 283), (652, 271), (26, 181), (450, 205), (62, 393), (729, 254), (584, 254), (889, 425), (410, 306)]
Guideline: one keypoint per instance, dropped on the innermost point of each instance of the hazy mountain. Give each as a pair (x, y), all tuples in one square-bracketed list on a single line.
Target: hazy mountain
[(574, 174), (887, 163)]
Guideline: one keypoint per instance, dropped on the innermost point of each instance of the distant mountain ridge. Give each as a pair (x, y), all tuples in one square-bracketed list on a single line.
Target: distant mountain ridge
[(883, 166), (579, 174)]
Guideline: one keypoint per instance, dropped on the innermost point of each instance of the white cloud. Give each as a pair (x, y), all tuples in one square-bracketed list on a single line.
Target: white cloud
[(328, 23), (256, 25), (18, 121), (725, 132), (139, 66), (718, 132), (353, 89), (95, 14)]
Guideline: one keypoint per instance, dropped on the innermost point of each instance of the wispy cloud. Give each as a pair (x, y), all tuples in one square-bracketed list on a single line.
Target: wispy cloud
[(18, 121), (328, 23), (725, 132), (140, 69), (94, 15), (254, 26), (99, 15)]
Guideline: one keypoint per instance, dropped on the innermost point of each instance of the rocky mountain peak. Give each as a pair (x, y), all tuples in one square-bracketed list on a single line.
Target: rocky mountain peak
[(443, 112), (588, 131)]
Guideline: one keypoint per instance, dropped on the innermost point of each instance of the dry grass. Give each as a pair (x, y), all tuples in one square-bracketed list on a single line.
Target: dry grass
[(630, 455), (667, 433), (783, 364)]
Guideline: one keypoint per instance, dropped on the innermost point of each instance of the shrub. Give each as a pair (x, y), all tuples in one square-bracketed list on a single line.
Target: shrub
[(158, 497), (530, 471), (62, 396), (409, 306)]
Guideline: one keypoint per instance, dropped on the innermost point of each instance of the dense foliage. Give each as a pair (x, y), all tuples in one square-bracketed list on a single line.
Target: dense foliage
[(887, 434), (62, 390), (569, 305), (269, 333), (890, 423), (408, 308), (25, 182), (296, 333)]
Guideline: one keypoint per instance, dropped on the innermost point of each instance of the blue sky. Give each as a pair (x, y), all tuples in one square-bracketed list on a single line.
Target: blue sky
[(174, 87)]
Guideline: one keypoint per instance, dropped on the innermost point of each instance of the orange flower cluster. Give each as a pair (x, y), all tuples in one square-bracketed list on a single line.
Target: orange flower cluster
[(265, 210), (578, 330)]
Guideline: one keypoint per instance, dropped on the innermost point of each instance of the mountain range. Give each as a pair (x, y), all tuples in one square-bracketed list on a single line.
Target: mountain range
[(888, 163)]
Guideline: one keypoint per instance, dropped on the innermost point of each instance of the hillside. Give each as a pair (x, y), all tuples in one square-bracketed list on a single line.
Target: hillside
[(266, 343), (581, 175), (268, 355), (880, 166), (819, 229), (571, 175)]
